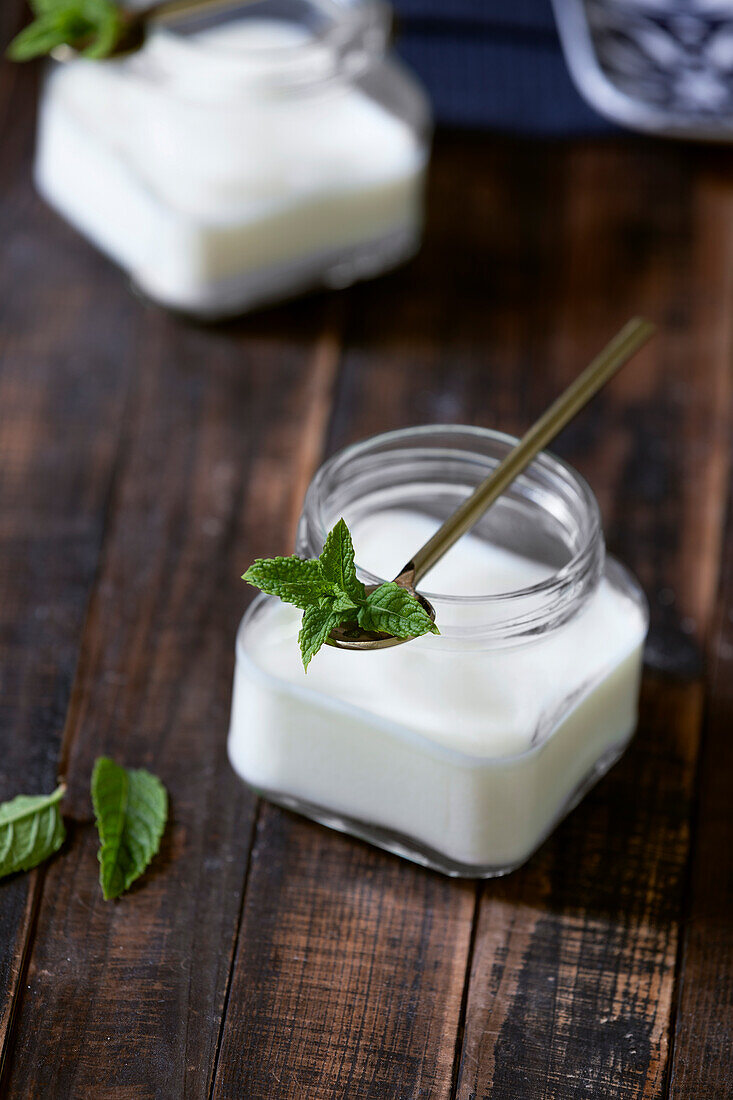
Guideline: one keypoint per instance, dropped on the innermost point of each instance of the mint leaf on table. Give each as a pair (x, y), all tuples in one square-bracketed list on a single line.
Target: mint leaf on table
[(131, 808), (93, 27), (392, 610), (31, 830), (329, 593)]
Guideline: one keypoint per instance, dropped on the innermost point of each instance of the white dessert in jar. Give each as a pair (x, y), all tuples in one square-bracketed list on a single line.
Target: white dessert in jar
[(242, 161), (463, 750)]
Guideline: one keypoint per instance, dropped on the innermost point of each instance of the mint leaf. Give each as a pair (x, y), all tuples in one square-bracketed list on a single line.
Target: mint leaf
[(345, 604), (318, 622), (131, 808), (40, 37), (93, 27), (295, 581), (31, 830), (337, 563), (393, 610)]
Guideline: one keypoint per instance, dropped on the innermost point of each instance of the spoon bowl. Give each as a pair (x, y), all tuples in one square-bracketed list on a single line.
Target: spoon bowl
[(352, 636)]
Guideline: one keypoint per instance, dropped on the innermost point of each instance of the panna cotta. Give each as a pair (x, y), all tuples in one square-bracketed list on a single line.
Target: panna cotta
[(462, 750)]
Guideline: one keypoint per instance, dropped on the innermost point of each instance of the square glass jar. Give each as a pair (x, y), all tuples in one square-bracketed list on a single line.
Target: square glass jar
[(460, 751), (242, 155)]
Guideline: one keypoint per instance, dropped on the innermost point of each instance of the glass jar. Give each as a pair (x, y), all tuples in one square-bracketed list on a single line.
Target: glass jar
[(460, 751), (244, 156)]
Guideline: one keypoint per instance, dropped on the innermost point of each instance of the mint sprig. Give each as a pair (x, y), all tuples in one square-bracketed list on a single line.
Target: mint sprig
[(329, 593), (131, 808), (93, 27)]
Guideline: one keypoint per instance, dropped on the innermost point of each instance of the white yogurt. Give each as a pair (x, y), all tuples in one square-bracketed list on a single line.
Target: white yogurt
[(474, 754), (216, 183)]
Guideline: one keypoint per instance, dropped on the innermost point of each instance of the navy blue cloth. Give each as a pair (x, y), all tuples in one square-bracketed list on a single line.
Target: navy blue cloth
[(528, 14), (493, 64)]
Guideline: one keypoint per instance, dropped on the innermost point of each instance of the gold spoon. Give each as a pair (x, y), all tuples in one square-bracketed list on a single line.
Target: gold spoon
[(625, 344)]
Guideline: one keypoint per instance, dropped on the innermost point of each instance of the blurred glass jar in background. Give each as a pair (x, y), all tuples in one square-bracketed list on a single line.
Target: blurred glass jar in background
[(241, 157)]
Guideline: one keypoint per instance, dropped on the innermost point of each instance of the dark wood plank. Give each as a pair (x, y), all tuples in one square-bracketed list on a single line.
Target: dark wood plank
[(703, 1036), (572, 978), (349, 975), (60, 414), (128, 995)]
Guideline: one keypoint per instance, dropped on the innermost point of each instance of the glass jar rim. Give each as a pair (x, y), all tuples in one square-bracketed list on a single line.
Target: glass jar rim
[(345, 45), (548, 602)]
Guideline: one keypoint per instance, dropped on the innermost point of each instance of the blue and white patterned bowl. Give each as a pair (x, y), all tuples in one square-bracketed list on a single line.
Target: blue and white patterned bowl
[(663, 66)]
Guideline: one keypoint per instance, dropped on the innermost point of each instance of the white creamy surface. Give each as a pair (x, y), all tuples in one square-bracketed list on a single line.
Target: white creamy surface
[(187, 170), (473, 753)]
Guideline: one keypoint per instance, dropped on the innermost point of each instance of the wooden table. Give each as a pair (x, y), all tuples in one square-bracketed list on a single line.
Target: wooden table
[(144, 462)]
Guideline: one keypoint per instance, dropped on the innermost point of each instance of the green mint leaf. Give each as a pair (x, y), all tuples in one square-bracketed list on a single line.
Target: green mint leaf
[(131, 808), (337, 563), (108, 29), (318, 622), (47, 7), (93, 27), (31, 830), (295, 581), (391, 609), (344, 604), (40, 37)]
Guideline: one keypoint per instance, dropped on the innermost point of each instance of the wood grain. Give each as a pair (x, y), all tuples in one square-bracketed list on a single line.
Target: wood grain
[(60, 415), (572, 980), (129, 994), (703, 1034), (350, 972)]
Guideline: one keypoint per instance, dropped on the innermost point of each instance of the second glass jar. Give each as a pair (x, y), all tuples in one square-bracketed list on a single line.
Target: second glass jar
[(244, 156)]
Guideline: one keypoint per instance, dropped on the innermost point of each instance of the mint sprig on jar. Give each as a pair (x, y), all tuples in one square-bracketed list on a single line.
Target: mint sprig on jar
[(330, 594)]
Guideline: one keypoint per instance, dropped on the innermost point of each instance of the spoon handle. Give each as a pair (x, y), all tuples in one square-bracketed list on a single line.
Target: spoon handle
[(628, 341), (162, 11)]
